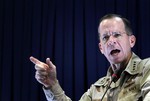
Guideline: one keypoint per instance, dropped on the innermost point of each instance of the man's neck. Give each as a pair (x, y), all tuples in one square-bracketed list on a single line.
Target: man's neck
[(121, 65)]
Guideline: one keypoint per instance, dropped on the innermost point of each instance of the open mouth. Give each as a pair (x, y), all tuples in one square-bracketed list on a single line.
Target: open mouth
[(115, 52)]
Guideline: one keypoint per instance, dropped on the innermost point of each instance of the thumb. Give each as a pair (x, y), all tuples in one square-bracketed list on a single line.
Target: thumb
[(49, 63)]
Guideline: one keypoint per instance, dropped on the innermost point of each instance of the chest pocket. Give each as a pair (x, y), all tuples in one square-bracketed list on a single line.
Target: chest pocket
[(130, 91), (100, 88)]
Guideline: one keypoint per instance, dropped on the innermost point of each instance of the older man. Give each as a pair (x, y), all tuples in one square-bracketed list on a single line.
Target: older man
[(128, 77)]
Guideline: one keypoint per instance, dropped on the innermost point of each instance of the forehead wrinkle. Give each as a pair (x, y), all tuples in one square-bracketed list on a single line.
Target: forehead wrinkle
[(111, 24)]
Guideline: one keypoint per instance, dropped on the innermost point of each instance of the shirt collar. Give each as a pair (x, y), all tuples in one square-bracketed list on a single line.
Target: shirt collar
[(132, 66)]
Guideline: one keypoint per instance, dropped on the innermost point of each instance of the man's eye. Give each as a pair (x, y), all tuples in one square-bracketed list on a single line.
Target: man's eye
[(117, 35), (105, 38)]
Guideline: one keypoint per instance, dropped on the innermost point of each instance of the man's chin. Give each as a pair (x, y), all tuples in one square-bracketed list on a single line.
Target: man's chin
[(116, 61)]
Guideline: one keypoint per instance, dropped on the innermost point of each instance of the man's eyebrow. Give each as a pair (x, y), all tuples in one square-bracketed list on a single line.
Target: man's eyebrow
[(106, 33)]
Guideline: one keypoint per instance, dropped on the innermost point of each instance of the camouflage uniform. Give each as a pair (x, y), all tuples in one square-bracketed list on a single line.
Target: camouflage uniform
[(133, 85)]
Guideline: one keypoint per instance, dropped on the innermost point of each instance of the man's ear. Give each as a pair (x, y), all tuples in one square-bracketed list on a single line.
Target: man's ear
[(132, 40), (100, 48)]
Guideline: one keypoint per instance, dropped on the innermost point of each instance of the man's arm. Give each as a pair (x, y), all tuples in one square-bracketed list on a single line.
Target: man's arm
[(146, 92), (55, 93), (145, 83)]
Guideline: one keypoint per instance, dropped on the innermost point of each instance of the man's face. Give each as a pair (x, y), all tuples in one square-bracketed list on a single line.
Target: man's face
[(115, 44)]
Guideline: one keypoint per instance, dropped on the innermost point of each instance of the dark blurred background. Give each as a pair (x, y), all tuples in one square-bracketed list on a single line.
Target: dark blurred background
[(65, 31)]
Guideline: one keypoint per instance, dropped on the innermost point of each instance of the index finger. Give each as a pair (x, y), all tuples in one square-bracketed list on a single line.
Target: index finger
[(34, 60)]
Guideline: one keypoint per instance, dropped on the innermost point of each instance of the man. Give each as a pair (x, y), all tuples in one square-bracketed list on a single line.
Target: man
[(128, 77)]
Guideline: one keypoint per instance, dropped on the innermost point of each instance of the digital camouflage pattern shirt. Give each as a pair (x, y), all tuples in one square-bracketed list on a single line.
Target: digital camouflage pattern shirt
[(133, 85)]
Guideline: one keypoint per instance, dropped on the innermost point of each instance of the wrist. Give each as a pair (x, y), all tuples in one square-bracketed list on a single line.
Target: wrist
[(51, 84)]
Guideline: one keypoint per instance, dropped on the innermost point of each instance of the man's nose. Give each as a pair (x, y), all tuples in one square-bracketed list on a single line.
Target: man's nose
[(112, 40)]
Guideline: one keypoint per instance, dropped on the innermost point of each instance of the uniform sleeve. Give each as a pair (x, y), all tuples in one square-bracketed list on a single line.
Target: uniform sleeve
[(146, 92), (146, 82), (56, 93), (147, 97)]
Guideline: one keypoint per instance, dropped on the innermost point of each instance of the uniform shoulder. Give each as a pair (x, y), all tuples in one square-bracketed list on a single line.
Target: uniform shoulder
[(145, 62), (102, 81), (144, 65)]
